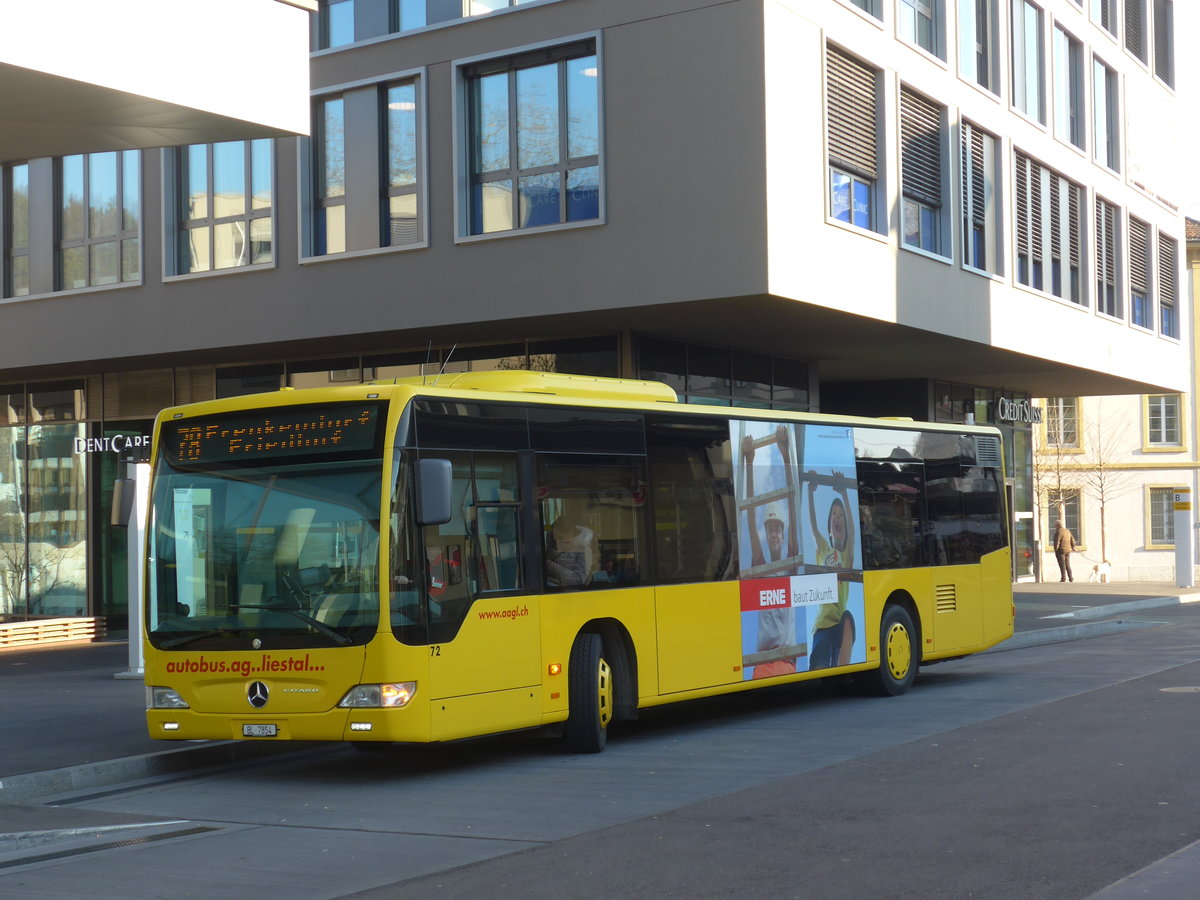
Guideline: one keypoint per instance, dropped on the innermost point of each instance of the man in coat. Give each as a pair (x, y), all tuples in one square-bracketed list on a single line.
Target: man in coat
[(1064, 546)]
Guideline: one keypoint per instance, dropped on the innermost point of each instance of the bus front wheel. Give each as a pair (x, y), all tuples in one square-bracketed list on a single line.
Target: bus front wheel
[(899, 653), (589, 695)]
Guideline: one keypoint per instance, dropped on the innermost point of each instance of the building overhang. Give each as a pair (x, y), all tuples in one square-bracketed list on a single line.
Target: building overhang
[(78, 76), (843, 347)]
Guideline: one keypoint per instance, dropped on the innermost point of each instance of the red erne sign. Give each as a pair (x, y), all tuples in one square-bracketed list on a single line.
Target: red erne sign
[(766, 593)]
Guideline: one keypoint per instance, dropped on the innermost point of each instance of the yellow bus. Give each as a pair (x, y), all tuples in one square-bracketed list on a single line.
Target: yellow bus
[(430, 559)]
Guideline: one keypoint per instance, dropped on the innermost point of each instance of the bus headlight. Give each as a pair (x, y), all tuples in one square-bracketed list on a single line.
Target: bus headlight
[(158, 697), (379, 696)]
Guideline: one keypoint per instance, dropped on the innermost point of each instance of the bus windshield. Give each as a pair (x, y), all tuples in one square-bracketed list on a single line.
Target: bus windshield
[(286, 555)]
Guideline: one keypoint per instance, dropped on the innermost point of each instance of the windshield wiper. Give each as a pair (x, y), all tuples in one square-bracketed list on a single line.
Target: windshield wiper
[(332, 633), (194, 636)]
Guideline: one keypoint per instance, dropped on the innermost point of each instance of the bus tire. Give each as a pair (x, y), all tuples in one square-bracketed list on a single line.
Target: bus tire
[(589, 696), (899, 653)]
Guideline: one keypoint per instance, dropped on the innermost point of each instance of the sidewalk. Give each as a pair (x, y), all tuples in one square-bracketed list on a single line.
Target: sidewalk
[(70, 725)]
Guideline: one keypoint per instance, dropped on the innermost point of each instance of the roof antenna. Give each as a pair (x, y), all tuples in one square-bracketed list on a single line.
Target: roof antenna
[(428, 356), (445, 362)]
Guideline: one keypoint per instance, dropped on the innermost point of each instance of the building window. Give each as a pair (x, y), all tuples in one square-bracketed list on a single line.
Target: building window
[(977, 42), (1105, 143), (868, 6), (1135, 28), (337, 23), (534, 139), (1062, 423), (1108, 299), (715, 376), (852, 112), (1168, 311), (1028, 60), (1049, 224), (329, 132), (15, 216), (921, 131), (400, 129), (409, 14), (1162, 516), (1064, 504), (225, 204), (980, 231), (1140, 310), (378, 199), (1104, 14), (100, 214), (1162, 420), (1164, 40), (1068, 88), (918, 23)]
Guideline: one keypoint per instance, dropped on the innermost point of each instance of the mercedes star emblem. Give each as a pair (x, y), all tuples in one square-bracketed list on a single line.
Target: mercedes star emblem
[(258, 694)]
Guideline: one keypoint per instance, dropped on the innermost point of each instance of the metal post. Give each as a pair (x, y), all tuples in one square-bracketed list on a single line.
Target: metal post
[(1185, 574), (139, 474)]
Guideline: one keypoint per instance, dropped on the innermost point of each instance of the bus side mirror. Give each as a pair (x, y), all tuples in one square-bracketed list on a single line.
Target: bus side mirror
[(435, 489), (122, 502)]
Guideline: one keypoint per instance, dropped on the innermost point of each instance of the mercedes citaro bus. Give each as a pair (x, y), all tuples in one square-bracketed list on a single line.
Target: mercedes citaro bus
[(436, 558)]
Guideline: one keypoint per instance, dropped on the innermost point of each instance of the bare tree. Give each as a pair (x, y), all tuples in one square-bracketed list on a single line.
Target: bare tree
[(1085, 454), (1103, 477)]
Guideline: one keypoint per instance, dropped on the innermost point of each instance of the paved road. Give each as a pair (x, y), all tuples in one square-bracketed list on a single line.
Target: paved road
[(1049, 770)]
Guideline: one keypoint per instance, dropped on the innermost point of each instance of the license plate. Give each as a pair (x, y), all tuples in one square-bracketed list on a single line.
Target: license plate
[(259, 730)]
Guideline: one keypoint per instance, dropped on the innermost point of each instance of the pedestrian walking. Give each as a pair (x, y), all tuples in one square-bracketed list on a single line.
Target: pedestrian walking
[(1064, 546)]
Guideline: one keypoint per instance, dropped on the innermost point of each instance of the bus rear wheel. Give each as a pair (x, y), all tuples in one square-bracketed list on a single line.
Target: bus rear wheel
[(589, 695), (899, 654)]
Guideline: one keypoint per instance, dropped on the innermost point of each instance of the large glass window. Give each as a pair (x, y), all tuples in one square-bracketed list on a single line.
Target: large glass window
[(337, 23), (100, 217), (344, 21), (402, 185), (921, 135), (918, 23), (1104, 14), (718, 377), (1105, 113), (1069, 104), (43, 502), (330, 134), (1049, 224), (1028, 60), (15, 216), (225, 205), (977, 42), (534, 139), (981, 238), (852, 119)]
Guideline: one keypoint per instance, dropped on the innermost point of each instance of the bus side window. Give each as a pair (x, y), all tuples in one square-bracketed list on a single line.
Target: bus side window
[(691, 488), (890, 507), (593, 518)]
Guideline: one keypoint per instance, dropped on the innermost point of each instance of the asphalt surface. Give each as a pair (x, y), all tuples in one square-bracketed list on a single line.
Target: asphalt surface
[(73, 719)]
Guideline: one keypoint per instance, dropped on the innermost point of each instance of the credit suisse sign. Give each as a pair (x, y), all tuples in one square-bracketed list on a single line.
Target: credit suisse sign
[(1019, 411)]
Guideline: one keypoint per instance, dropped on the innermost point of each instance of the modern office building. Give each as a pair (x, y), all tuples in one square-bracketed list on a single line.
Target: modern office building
[(927, 208)]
